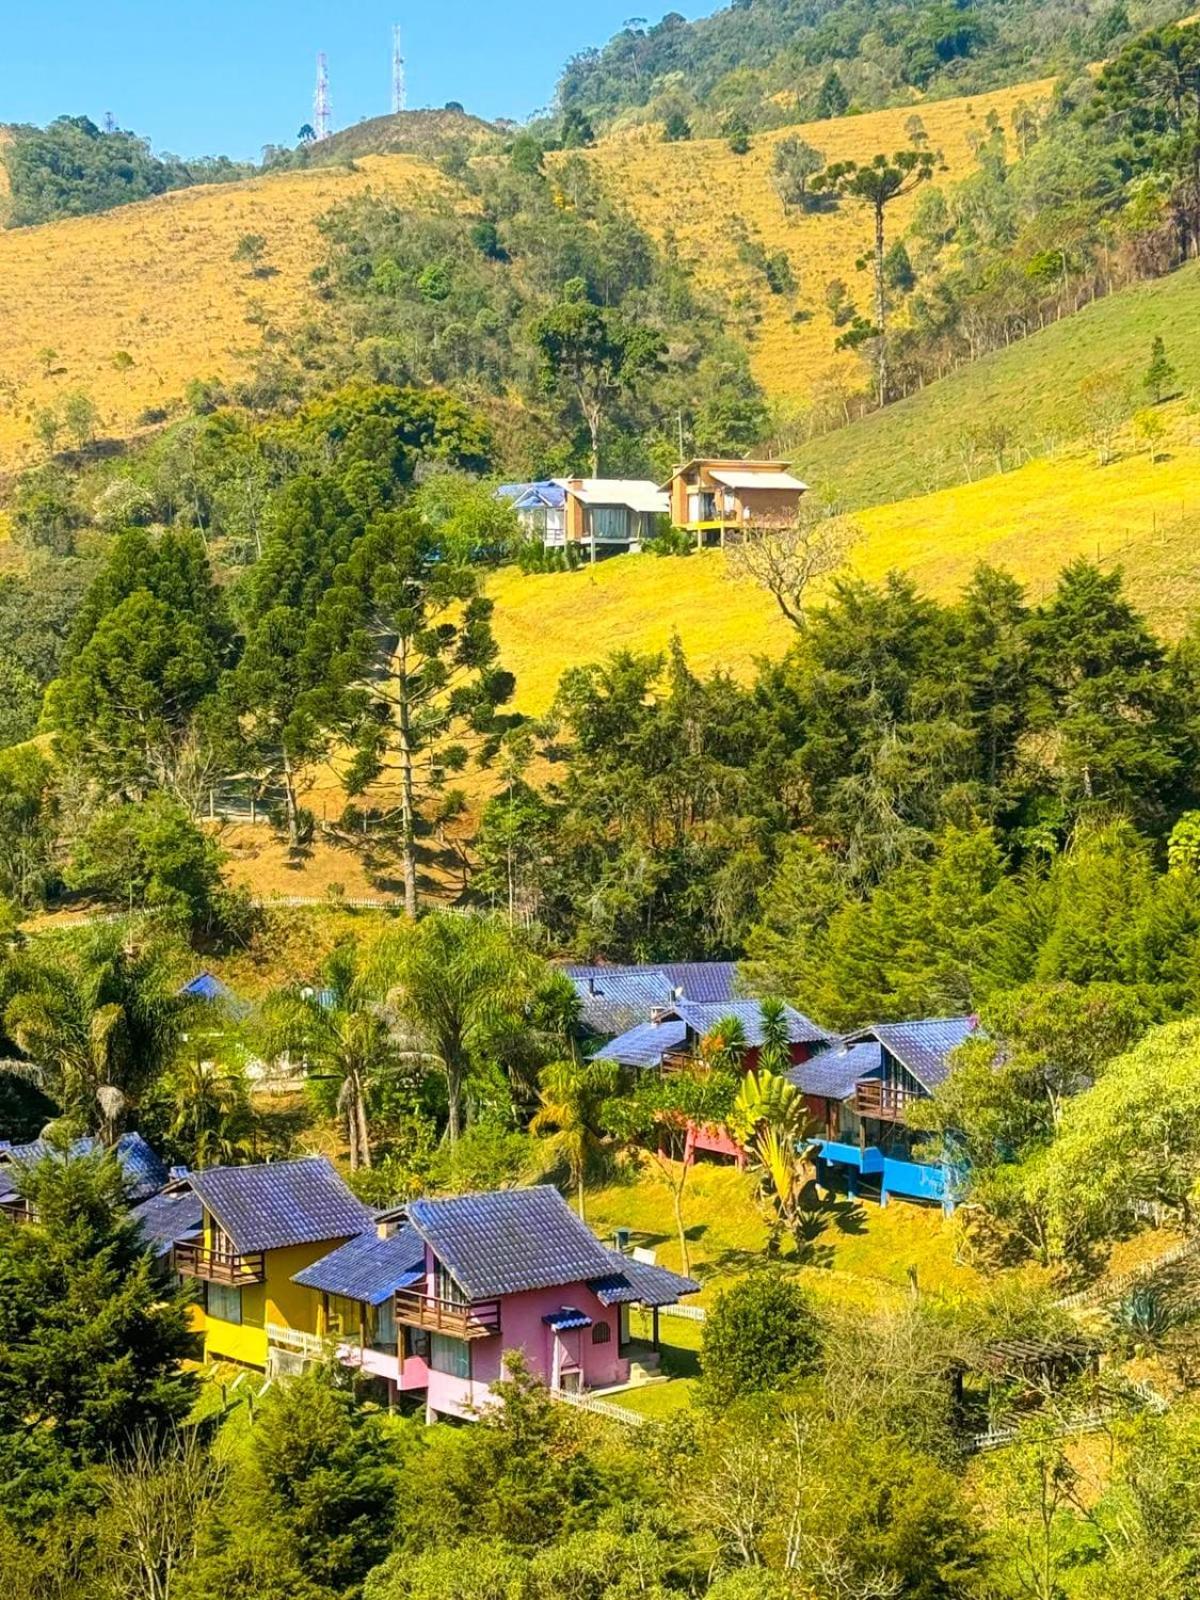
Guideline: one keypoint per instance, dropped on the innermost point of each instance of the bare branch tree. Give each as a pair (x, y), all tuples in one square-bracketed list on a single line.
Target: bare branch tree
[(788, 558)]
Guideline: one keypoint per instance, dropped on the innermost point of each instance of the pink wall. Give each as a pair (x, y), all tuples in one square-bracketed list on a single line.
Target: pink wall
[(379, 1365), (521, 1327)]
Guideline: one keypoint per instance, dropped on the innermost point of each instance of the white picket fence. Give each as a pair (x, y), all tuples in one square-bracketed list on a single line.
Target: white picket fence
[(583, 1401), (1084, 1422), (688, 1313), (1110, 1290)]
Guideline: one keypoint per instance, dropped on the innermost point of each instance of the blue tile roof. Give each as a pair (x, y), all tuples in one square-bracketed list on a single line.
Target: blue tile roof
[(833, 1073), (613, 1001), (566, 1318), (526, 496), (368, 1268), (923, 1046), (615, 998), (631, 1282), (209, 988), (509, 1240), (145, 1172), (282, 1203), (645, 1044), (168, 1217)]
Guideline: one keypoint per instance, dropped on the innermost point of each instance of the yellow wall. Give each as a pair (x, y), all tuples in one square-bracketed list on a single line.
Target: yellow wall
[(277, 1299)]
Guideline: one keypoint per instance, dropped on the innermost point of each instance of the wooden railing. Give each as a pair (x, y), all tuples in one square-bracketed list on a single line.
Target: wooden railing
[(475, 1321), (215, 1266), (885, 1102), (17, 1210)]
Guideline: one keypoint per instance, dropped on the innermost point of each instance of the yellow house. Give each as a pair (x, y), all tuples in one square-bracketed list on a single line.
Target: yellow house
[(259, 1226), (714, 498)]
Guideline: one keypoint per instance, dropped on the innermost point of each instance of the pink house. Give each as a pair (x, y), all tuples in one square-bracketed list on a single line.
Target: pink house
[(466, 1279)]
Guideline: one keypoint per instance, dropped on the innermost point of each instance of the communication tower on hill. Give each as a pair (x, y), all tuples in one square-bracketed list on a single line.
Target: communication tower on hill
[(110, 122), (321, 111), (399, 95)]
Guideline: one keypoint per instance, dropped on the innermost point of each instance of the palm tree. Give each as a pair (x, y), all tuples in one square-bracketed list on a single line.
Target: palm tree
[(97, 1023), (775, 1052), (211, 1116), (770, 1121), (466, 984), (340, 1032), (723, 1047), (573, 1095)]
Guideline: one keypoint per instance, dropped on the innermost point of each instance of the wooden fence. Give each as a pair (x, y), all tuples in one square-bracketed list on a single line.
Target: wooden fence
[(1110, 1290)]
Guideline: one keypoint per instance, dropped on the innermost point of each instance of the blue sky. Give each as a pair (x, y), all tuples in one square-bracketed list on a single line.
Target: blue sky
[(232, 75)]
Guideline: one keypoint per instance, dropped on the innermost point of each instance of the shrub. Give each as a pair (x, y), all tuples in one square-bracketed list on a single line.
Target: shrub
[(760, 1335)]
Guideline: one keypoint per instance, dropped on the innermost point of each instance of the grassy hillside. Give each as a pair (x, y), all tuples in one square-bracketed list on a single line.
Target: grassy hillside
[(1032, 388), (699, 193), (157, 282), (1141, 515)]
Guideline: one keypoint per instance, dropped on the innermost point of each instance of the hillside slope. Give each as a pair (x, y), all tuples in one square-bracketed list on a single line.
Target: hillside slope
[(1140, 515), (157, 281), (1032, 390), (699, 196)]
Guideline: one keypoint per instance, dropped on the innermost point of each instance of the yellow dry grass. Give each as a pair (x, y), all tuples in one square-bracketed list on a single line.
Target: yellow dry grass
[(1135, 513), (156, 282), (694, 191)]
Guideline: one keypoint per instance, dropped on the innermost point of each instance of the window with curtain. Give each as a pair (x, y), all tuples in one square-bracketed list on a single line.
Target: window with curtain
[(610, 522), (224, 1302), (448, 1355), (385, 1326)]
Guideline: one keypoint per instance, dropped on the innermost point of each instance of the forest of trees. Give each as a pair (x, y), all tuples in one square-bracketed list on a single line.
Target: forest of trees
[(72, 168)]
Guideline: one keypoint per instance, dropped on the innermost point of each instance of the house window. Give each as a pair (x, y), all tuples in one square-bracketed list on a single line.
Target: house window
[(601, 1333), (610, 522), (385, 1326), (451, 1356), (224, 1302)]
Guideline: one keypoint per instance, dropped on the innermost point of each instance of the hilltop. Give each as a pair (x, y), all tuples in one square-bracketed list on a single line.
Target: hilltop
[(132, 304)]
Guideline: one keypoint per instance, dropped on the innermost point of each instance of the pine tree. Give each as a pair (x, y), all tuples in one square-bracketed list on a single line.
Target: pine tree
[(1160, 374), (832, 99)]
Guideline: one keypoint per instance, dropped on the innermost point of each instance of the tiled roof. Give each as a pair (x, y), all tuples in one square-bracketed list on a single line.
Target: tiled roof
[(282, 1203), (924, 1046), (168, 1217), (565, 1318), (145, 1172), (527, 496), (834, 1073), (703, 1018), (368, 1268), (645, 1044), (630, 1282), (209, 988), (612, 1000), (509, 1240)]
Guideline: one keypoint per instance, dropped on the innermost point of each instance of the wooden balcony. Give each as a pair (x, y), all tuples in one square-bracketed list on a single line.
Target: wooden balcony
[(17, 1209), (883, 1102), (417, 1310), (218, 1266)]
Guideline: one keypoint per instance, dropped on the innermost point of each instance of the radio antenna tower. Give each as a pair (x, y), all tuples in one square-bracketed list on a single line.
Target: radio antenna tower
[(321, 113), (399, 97)]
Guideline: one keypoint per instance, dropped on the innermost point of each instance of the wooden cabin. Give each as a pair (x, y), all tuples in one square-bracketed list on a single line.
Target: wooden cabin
[(717, 499)]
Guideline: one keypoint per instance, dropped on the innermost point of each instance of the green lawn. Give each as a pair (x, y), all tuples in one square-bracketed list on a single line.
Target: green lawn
[(857, 1252), (1033, 387)]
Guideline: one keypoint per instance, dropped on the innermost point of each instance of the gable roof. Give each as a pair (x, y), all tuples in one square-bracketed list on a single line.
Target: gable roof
[(757, 480), (639, 1283), (923, 1046), (647, 1043), (639, 494), (615, 998), (509, 1240), (368, 1268), (145, 1171), (282, 1203), (731, 463), (208, 987), (168, 1217), (834, 1073), (528, 496)]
